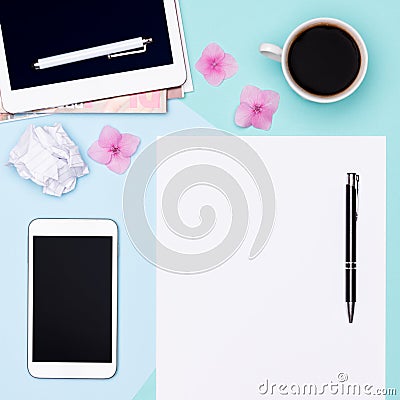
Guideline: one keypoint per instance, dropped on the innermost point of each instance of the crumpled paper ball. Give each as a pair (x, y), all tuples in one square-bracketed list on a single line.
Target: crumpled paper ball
[(47, 156)]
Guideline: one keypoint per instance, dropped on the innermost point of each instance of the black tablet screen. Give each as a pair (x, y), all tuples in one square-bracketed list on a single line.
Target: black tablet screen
[(72, 299), (42, 28)]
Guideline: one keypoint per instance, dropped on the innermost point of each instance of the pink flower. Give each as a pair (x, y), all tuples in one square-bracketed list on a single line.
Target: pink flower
[(216, 65), (114, 149), (256, 108)]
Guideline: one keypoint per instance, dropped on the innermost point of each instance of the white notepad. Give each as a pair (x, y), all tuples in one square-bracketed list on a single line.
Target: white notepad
[(281, 318)]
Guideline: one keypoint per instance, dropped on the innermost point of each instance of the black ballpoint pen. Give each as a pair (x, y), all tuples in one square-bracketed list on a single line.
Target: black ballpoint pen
[(351, 241)]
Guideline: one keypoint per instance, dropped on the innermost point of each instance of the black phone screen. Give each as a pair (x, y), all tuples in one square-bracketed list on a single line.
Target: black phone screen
[(72, 299)]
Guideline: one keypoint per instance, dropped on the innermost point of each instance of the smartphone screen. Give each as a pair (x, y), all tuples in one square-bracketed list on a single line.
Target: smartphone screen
[(72, 299)]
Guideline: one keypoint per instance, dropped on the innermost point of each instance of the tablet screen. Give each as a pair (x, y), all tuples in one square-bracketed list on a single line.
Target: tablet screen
[(72, 299), (41, 29)]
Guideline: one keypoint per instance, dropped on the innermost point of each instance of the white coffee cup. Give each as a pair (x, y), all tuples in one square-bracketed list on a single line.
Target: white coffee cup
[(281, 55)]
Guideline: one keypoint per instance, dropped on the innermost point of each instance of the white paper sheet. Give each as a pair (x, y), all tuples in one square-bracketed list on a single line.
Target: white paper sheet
[(188, 85), (281, 318), (48, 157)]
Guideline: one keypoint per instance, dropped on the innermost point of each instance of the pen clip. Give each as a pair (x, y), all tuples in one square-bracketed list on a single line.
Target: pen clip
[(357, 194), (128, 53)]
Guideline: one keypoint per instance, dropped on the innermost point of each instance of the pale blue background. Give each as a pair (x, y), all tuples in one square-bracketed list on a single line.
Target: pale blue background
[(98, 194), (239, 27)]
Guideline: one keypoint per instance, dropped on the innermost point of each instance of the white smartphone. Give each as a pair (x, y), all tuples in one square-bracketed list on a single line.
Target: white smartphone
[(72, 308)]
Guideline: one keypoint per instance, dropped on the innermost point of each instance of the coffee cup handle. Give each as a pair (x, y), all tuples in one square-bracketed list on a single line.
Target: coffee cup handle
[(271, 51)]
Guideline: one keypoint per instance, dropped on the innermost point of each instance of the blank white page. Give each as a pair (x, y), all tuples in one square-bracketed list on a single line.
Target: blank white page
[(281, 318)]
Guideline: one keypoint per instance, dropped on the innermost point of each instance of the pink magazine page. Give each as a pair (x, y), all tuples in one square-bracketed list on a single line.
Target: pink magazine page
[(142, 103), (150, 102)]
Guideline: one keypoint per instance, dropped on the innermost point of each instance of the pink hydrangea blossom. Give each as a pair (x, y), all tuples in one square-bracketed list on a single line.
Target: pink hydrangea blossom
[(216, 65), (256, 108), (114, 149)]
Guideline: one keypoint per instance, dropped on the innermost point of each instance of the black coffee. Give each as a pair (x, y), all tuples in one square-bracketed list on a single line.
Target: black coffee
[(324, 60)]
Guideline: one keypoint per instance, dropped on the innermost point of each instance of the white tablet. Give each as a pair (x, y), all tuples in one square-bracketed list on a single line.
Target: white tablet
[(72, 308), (51, 56)]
